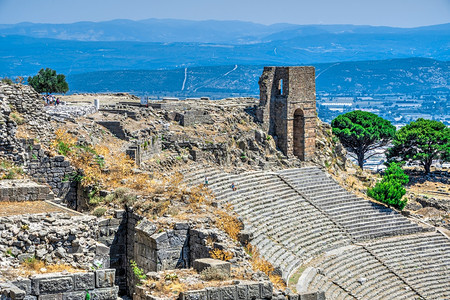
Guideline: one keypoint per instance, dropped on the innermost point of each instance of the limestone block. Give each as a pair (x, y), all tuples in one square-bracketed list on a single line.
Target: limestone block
[(105, 278), (16, 293), (229, 292), (105, 293), (213, 293), (203, 263), (242, 292), (193, 295), (254, 291), (146, 227), (84, 281), (312, 296), (51, 297), (74, 295), (24, 284), (56, 283), (266, 290)]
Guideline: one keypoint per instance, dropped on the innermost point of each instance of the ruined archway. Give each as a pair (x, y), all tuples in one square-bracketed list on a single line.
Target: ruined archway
[(287, 109), (299, 134)]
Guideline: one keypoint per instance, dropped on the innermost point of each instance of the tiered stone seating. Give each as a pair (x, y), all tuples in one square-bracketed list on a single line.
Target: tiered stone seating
[(353, 273), (301, 214), (423, 260), (361, 218), (287, 229)]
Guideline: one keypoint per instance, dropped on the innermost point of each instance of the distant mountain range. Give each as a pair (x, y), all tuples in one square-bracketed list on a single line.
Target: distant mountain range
[(210, 31), (408, 76), (169, 44)]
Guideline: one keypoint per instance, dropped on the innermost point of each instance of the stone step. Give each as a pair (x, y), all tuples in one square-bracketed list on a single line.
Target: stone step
[(372, 234)]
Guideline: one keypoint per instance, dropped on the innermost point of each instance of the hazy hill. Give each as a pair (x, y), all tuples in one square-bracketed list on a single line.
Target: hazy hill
[(167, 44), (414, 75), (210, 31), (21, 55)]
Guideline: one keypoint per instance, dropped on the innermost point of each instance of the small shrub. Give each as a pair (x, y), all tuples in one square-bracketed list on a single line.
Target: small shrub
[(7, 80), (122, 196), (395, 172), (210, 274), (389, 192), (10, 175), (17, 118), (138, 272), (390, 189), (19, 79), (25, 227), (99, 211), (228, 223), (171, 276), (8, 170), (8, 252), (32, 263), (221, 254), (96, 200)]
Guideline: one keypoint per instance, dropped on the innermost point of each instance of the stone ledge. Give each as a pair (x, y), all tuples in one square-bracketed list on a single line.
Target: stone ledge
[(204, 263), (63, 286), (243, 291)]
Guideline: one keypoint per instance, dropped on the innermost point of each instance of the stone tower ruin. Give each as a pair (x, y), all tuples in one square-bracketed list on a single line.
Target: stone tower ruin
[(287, 109)]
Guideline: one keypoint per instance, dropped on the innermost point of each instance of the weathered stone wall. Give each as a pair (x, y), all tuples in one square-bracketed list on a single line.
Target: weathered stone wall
[(144, 149), (56, 171), (23, 190), (99, 284), (116, 128), (168, 104), (62, 113), (132, 221), (242, 291), (156, 250), (191, 117), (24, 100), (113, 233), (53, 238), (8, 130), (25, 103), (198, 243), (287, 108)]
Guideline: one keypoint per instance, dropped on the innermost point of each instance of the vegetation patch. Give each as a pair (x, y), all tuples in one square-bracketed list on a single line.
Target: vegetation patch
[(210, 274), (260, 264), (221, 254), (390, 189), (9, 170), (33, 265)]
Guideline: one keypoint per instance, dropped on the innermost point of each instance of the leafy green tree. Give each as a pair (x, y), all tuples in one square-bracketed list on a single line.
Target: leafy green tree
[(390, 189), (421, 141), (361, 132), (47, 81)]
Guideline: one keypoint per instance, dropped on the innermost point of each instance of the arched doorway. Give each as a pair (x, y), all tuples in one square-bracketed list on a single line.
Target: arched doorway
[(299, 134)]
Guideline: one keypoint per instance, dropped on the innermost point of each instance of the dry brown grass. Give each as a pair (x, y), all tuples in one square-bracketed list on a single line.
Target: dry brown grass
[(33, 266), (228, 223), (221, 254), (9, 170), (260, 264), (27, 207)]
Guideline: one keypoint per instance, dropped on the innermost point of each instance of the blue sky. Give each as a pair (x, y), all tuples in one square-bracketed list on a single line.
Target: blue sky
[(398, 13)]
